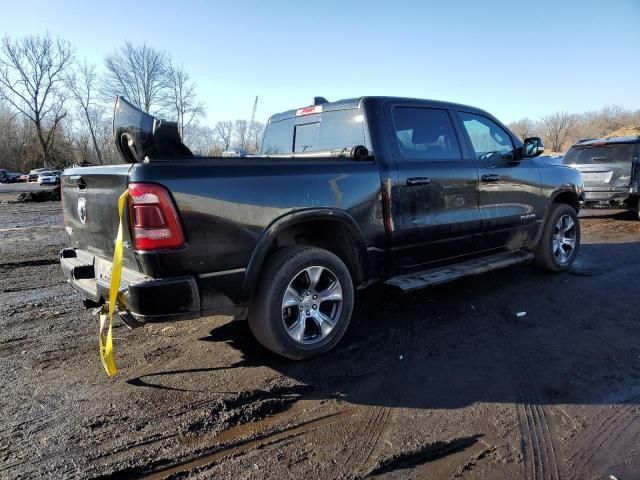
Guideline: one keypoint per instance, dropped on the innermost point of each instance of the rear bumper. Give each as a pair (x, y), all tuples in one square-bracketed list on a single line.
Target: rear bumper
[(614, 197), (146, 299)]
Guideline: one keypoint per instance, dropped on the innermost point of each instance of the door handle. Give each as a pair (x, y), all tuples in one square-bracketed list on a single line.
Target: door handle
[(415, 181), (490, 178)]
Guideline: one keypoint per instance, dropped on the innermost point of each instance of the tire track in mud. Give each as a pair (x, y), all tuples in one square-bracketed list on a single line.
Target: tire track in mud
[(215, 418), (29, 263), (238, 448), (39, 413), (158, 366), (603, 437), (21, 434), (365, 439), (537, 437)]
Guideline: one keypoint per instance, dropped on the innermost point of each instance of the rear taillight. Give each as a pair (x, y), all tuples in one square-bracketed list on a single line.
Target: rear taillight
[(154, 220)]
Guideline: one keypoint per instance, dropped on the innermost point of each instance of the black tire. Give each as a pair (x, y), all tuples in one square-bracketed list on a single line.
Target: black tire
[(544, 252), (267, 314)]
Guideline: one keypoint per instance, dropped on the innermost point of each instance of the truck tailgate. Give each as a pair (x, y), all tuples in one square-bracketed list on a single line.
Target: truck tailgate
[(90, 204)]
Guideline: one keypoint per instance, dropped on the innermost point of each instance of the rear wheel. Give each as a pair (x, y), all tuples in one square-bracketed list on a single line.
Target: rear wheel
[(560, 240), (303, 302)]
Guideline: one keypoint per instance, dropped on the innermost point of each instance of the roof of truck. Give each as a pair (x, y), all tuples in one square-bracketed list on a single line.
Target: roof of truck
[(356, 102), (606, 141)]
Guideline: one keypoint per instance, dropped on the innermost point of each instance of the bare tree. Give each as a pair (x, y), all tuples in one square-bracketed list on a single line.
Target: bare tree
[(104, 136), (83, 84), (200, 139), (256, 131), (241, 134), (557, 128), (16, 133), (602, 122), (138, 73), (31, 81), (81, 141), (181, 97), (523, 128), (223, 133)]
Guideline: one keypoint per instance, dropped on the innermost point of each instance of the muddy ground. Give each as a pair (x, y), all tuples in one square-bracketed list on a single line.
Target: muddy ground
[(443, 383), (10, 191)]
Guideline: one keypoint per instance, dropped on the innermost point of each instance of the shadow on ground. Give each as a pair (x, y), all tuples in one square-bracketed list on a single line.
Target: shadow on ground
[(456, 344)]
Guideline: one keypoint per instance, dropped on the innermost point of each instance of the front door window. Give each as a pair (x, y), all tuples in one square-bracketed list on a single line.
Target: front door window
[(489, 140)]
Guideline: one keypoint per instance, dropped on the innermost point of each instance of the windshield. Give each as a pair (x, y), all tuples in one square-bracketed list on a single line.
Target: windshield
[(609, 153), (311, 133)]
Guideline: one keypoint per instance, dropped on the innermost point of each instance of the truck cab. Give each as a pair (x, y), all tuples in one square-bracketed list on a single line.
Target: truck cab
[(458, 182)]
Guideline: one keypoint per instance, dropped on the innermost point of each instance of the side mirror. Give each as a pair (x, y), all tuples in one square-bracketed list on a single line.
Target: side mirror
[(532, 147)]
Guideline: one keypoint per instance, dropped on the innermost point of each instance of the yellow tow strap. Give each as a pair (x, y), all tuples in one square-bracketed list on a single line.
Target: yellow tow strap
[(106, 347)]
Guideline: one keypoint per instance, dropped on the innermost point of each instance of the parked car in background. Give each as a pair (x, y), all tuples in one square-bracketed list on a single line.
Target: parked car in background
[(23, 178), (611, 171), (6, 177), (235, 152), (47, 178), (33, 174)]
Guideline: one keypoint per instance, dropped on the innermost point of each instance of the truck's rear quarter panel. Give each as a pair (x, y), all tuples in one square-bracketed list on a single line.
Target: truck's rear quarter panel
[(226, 205)]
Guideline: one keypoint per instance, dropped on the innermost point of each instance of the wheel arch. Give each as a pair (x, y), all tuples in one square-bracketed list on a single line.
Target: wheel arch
[(565, 195), (308, 227)]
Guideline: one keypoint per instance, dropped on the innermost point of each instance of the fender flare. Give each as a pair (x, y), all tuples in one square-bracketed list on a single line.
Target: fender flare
[(267, 239), (550, 201), (559, 191)]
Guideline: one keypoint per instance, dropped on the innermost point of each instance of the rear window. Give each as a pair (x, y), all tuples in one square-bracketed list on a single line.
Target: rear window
[(322, 131), (612, 152)]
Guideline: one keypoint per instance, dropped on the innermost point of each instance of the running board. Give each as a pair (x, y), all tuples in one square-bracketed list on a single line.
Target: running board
[(448, 273)]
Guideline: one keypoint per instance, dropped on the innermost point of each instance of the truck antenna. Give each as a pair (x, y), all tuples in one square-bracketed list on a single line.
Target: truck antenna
[(253, 111)]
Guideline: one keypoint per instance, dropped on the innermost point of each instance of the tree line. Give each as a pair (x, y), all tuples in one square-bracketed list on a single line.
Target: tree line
[(562, 129), (56, 109)]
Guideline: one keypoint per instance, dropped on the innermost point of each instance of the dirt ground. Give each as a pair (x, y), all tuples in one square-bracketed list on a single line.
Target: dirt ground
[(444, 383), (9, 191)]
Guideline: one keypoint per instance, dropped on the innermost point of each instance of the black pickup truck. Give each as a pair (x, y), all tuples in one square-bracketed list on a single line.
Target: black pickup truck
[(344, 194)]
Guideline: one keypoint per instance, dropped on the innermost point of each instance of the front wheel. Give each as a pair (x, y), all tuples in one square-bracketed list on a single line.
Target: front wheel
[(303, 302), (560, 240)]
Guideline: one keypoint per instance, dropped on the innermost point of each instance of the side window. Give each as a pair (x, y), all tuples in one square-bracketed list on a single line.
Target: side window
[(489, 140), (425, 134)]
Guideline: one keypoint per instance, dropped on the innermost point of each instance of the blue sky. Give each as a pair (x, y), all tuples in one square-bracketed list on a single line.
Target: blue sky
[(515, 59)]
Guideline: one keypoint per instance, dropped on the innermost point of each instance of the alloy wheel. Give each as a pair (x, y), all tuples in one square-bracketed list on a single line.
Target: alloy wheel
[(312, 304), (564, 240)]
